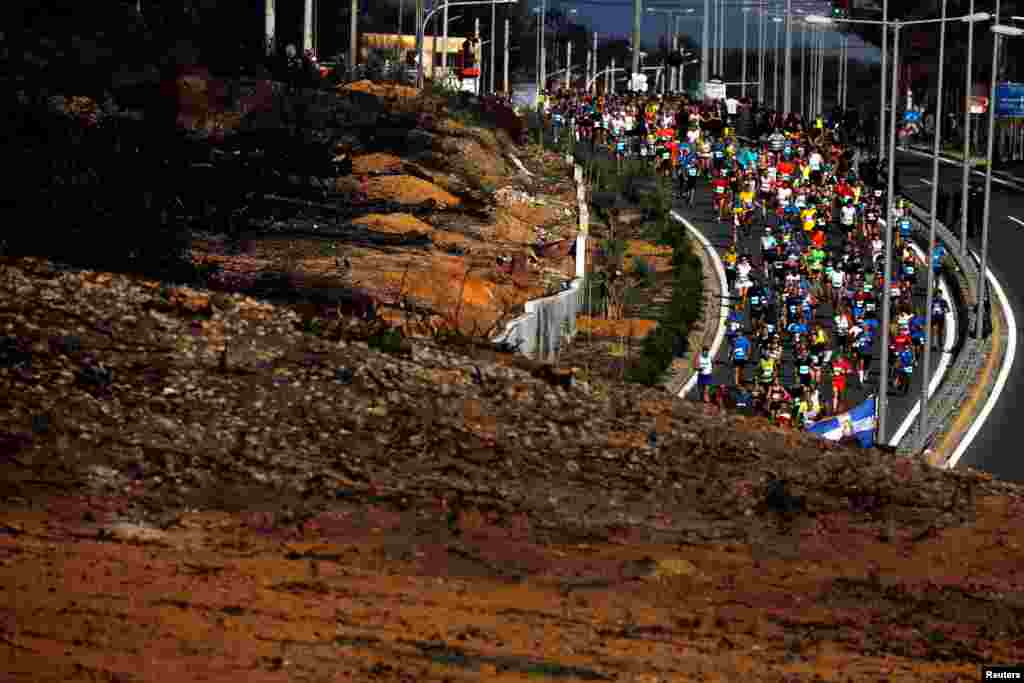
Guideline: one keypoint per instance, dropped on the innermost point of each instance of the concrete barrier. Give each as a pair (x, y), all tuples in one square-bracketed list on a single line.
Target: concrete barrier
[(550, 322)]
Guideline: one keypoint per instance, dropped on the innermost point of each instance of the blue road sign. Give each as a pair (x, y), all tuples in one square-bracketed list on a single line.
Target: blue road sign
[(1010, 100)]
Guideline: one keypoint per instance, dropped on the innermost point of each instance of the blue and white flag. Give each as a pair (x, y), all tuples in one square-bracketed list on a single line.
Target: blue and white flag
[(858, 422)]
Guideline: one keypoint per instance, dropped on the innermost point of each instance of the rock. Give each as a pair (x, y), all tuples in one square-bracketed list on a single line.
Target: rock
[(673, 567), (138, 533)]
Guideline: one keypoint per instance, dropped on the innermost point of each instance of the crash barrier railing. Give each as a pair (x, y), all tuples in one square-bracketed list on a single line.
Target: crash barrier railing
[(970, 352)]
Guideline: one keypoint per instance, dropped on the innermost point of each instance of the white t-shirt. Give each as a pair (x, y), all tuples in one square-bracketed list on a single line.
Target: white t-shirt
[(814, 161), (732, 105), (848, 215)]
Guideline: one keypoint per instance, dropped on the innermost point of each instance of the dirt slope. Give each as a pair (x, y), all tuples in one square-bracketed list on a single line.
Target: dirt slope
[(194, 488)]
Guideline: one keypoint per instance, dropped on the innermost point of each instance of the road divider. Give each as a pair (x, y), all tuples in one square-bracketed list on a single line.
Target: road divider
[(724, 287)]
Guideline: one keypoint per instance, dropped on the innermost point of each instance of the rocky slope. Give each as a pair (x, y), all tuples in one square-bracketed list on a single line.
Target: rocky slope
[(196, 487)]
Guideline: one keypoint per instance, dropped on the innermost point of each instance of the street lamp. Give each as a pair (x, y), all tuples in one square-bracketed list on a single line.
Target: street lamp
[(886, 308), (999, 31), (775, 81), (421, 26)]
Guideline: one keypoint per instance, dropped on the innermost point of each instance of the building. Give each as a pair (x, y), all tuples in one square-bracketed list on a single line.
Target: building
[(400, 45)]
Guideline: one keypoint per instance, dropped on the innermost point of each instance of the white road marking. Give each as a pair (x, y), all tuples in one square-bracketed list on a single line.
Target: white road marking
[(926, 181), (1016, 220), (947, 356), (1004, 372), (995, 178), (723, 284)]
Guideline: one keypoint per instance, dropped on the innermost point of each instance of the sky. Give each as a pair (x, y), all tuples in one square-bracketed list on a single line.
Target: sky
[(616, 17)]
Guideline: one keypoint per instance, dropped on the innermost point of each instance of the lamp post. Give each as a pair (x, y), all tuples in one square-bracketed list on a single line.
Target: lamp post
[(543, 47), (743, 71), (999, 31), (787, 60), (803, 69), (965, 179), (494, 24), (885, 58), (422, 18), (775, 81), (638, 17), (762, 57), (672, 17), (705, 44), (926, 368), (891, 200)]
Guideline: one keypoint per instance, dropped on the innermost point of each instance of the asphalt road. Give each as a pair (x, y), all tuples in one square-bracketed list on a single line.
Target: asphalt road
[(994, 448), (719, 234)]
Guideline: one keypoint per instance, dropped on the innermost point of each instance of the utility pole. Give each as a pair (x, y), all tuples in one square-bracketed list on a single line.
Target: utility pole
[(638, 16), (609, 80), (787, 60), (353, 47), (268, 27), (401, 16), (593, 76), (307, 26), (504, 79)]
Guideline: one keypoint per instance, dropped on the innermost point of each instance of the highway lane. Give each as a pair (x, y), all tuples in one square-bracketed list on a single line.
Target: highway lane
[(719, 234), (994, 449)]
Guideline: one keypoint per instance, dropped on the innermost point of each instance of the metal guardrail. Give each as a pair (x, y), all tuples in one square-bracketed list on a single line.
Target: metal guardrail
[(971, 353)]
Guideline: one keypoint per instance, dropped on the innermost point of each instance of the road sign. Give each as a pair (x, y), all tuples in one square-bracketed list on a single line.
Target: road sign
[(714, 90), (1010, 100), (977, 105)]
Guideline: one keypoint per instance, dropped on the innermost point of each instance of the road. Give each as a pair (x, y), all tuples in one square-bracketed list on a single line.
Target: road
[(719, 234), (994, 447)]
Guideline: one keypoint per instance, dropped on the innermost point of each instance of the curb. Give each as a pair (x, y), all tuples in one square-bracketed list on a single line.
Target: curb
[(723, 311)]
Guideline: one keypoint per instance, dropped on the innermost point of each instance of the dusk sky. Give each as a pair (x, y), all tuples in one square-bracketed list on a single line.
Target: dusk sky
[(616, 16)]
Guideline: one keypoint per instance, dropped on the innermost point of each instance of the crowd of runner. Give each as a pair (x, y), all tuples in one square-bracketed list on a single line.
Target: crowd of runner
[(805, 262)]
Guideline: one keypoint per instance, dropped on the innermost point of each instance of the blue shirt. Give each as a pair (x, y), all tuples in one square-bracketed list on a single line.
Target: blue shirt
[(741, 348)]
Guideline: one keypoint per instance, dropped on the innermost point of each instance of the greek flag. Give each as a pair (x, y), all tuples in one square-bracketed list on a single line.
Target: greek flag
[(858, 422)]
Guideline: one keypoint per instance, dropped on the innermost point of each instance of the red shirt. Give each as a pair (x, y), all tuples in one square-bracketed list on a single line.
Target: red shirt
[(720, 185), (786, 168)]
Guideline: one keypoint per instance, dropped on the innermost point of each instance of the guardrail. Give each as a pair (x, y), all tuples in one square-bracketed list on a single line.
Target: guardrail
[(970, 353)]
